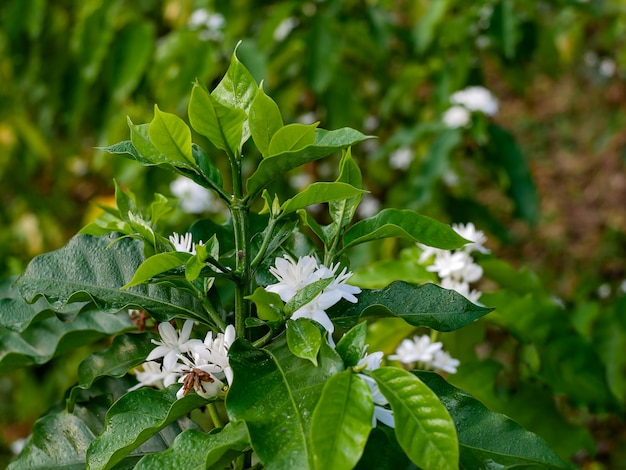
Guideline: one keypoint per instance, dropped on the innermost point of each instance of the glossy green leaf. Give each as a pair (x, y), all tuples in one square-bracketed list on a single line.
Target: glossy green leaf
[(352, 344), (341, 422), (58, 442), (196, 450), (237, 88), (342, 211), (304, 339), (197, 262), (309, 221), (277, 398), (221, 124), (264, 119), (133, 419), (128, 150), (424, 429), (94, 269), (318, 193), (404, 224), (171, 136), (291, 138), (145, 151), (269, 305), (126, 351), (419, 305), (48, 338), (487, 439), (157, 264), (307, 294), (382, 273), (209, 171), (326, 142)]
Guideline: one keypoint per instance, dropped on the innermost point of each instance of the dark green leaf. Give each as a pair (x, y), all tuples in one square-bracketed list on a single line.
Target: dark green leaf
[(126, 352), (424, 429), (196, 450), (342, 211), (277, 398), (487, 439), (291, 138), (403, 224), (352, 345), (307, 294), (269, 305), (341, 422), (94, 269), (157, 264), (209, 171), (133, 419), (419, 305), (304, 339)]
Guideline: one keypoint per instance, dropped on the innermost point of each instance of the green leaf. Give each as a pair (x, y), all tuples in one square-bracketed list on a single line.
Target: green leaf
[(419, 305), (221, 124), (128, 150), (277, 398), (424, 429), (237, 89), (51, 337), (195, 264), (489, 439), (196, 450), (94, 269), (318, 193), (383, 452), (145, 150), (304, 339), (58, 442), (126, 351), (291, 138), (269, 306), (209, 171), (403, 224), (171, 136), (342, 211), (309, 221), (521, 187), (264, 119), (158, 264), (133, 419), (307, 294), (352, 344), (341, 422), (326, 142)]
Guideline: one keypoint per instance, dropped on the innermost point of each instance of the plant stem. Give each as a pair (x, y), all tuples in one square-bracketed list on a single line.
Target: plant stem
[(215, 415), (266, 241), (214, 314)]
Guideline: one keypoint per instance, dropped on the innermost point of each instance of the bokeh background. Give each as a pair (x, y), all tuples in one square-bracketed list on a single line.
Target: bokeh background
[(544, 177)]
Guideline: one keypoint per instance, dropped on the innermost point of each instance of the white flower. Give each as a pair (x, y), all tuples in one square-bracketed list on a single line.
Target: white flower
[(622, 286), (381, 413), (215, 351), (201, 378), (172, 344), (338, 288), (153, 374), (456, 116), (293, 276), (184, 243), (443, 361), (477, 237), (604, 291), (313, 311), (607, 67), (17, 445), (284, 28), (401, 159), (462, 288), (194, 199), (476, 98), (368, 207), (370, 361), (209, 24), (420, 349), (449, 264)]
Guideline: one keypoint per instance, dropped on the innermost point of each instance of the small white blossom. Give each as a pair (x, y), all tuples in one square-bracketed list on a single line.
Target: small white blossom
[(293, 275), (372, 362), (184, 243), (443, 361), (313, 311), (604, 291), (477, 237), (194, 199), (428, 252), (607, 67), (476, 98), (214, 350), (200, 377), (456, 116), (462, 288), (622, 286), (307, 118), (172, 344), (420, 349), (17, 445), (368, 207), (284, 28), (209, 24), (401, 158), (153, 374)]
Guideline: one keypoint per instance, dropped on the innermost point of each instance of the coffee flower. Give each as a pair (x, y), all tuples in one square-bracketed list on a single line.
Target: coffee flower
[(171, 345), (476, 98), (422, 351), (371, 362)]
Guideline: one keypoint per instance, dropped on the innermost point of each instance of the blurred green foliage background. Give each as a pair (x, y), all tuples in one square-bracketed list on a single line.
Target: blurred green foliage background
[(545, 178)]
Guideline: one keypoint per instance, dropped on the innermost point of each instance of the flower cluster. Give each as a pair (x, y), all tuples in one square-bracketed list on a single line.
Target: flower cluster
[(465, 102), (457, 269), (423, 351), (197, 364), (194, 199), (294, 275)]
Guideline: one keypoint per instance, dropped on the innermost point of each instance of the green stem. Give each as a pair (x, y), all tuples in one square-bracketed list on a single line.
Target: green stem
[(215, 415), (214, 314), (266, 241)]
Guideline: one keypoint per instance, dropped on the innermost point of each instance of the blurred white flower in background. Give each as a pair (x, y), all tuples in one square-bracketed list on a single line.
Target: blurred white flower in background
[(456, 116), (284, 28), (209, 25), (401, 158), (422, 351), (476, 98), (368, 207), (194, 199)]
